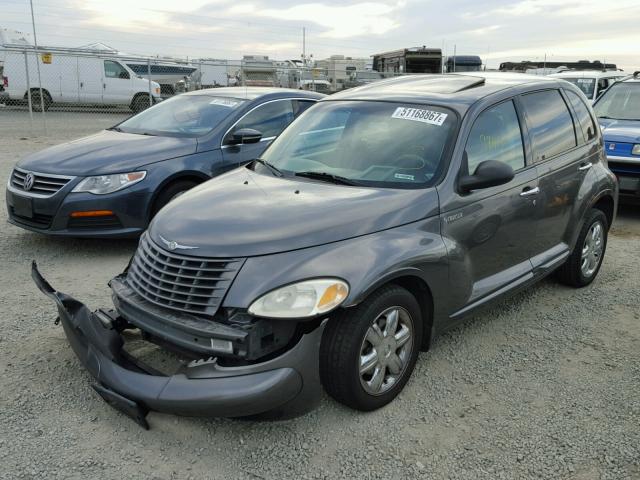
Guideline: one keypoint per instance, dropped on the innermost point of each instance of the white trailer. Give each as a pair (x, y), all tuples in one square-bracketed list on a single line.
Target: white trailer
[(66, 78), (210, 73)]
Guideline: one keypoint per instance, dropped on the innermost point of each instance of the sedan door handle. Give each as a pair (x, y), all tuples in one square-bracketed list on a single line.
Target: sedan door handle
[(585, 166), (530, 191)]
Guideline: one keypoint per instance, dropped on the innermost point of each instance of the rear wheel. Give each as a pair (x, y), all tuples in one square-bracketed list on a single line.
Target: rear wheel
[(584, 263), (140, 103), (367, 353), (38, 102), (171, 192)]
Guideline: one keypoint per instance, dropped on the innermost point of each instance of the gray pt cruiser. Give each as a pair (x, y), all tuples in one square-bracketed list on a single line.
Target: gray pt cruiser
[(378, 219)]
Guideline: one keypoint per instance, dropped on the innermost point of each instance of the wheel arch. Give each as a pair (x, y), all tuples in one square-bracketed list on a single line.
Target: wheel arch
[(193, 176), (412, 280), (607, 205)]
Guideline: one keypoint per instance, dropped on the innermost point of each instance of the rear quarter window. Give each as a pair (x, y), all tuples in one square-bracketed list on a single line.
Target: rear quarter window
[(585, 120), (550, 124)]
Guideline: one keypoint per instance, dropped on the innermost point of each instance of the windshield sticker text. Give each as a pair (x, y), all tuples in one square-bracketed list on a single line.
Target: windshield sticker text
[(420, 115), (404, 176), (225, 102)]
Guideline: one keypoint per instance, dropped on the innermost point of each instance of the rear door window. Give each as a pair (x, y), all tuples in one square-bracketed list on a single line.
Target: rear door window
[(584, 118), (496, 135), (550, 124)]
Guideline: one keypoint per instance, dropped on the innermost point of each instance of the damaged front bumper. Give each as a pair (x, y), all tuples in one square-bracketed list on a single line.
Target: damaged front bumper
[(284, 386)]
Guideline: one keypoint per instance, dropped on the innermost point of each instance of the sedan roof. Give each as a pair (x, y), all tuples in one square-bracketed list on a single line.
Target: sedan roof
[(252, 93)]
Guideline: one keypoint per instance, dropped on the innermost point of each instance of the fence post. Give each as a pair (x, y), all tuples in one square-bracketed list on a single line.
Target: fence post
[(26, 70), (149, 76)]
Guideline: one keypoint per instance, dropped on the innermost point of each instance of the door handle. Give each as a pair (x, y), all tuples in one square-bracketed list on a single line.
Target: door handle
[(530, 191), (585, 166)]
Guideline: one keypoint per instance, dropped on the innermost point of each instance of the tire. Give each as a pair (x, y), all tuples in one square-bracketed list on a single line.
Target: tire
[(572, 272), (345, 344), (36, 104), (171, 192), (140, 103)]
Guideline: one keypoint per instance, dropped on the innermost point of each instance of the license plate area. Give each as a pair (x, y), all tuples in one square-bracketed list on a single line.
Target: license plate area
[(22, 206)]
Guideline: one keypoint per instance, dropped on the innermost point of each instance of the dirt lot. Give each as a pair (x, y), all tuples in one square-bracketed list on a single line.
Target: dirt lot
[(545, 385)]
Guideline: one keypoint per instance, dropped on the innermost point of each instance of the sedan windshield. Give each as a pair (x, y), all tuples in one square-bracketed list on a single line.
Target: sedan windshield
[(370, 143), (620, 102), (182, 116), (587, 85)]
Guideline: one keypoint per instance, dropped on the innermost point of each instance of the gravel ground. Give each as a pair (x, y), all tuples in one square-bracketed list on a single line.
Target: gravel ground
[(544, 385)]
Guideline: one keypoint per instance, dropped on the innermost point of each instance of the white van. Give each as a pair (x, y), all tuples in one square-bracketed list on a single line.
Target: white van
[(593, 83), (88, 80)]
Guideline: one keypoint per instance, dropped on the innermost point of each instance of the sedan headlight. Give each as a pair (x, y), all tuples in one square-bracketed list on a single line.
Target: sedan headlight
[(102, 184), (636, 149), (302, 299)]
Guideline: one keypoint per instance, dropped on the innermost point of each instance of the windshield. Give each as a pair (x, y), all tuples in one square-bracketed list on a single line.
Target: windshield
[(587, 85), (182, 116), (370, 143), (621, 102)]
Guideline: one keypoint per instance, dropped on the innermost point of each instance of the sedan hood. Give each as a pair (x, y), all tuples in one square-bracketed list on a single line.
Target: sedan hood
[(627, 131), (242, 214), (107, 152)]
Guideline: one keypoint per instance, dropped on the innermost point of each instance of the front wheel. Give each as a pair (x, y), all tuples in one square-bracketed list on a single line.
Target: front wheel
[(584, 263), (367, 353), (140, 103)]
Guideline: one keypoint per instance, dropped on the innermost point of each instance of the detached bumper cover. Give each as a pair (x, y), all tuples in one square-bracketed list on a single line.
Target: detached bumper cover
[(285, 386)]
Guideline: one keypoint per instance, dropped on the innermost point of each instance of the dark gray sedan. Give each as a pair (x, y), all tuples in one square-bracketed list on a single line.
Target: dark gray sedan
[(112, 183), (377, 220)]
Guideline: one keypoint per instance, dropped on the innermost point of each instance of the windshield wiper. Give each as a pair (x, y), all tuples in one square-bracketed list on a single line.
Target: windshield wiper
[(327, 177), (270, 166)]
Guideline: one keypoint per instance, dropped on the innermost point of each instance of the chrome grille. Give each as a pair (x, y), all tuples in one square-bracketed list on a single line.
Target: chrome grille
[(44, 184), (179, 282)]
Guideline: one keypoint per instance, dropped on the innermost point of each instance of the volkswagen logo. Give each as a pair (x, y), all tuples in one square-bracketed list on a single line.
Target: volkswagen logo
[(28, 181)]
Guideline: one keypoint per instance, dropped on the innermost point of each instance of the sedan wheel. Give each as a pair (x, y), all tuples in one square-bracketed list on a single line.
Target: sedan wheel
[(592, 249)]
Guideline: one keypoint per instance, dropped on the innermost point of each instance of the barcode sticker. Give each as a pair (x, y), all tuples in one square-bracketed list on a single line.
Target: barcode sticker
[(420, 115)]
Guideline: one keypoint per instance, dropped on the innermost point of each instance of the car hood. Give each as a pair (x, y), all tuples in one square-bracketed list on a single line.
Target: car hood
[(627, 131), (107, 152), (243, 214)]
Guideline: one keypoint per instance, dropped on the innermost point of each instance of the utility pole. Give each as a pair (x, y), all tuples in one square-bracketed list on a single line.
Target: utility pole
[(35, 42), (454, 57), (304, 46)]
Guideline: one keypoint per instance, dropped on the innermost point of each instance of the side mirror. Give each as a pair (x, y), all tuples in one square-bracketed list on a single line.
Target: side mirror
[(245, 135), (489, 173)]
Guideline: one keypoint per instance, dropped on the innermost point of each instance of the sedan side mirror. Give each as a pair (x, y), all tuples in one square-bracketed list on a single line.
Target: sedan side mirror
[(489, 173), (246, 135)]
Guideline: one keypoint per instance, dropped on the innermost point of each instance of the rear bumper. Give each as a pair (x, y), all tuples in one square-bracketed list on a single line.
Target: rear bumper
[(285, 386), (628, 175)]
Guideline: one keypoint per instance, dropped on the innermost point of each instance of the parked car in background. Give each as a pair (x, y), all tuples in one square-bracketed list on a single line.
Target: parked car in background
[(378, 219), (618, 112), (593, 83), (75, 79), (112, 183)]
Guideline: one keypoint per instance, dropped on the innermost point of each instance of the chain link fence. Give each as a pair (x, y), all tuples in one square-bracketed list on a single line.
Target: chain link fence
[(42, 88)]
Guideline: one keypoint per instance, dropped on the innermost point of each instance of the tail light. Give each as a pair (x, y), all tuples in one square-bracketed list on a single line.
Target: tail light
[(5, 81)]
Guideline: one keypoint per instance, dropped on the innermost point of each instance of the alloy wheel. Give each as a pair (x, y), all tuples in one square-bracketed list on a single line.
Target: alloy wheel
[(386, 350), (592, 249)]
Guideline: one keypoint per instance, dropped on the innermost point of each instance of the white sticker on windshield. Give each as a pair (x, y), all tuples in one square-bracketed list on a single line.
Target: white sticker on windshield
[(225, 102), (420, 115), (404, 176)]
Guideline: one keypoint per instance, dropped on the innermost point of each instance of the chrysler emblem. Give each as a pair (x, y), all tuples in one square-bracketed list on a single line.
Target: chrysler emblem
[(171, 245), (28, 181)]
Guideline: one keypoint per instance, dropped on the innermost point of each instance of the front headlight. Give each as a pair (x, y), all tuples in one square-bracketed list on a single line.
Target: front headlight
[(102, 184), (302, 299), (636, 149)]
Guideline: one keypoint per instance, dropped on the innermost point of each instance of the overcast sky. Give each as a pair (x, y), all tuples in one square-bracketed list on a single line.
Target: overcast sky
[(497, 30)]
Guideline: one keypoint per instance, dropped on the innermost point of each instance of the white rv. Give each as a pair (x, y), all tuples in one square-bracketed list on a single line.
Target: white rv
[(593, 83), (88, 79)]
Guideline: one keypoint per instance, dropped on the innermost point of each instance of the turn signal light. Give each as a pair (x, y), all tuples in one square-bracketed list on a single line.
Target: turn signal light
[(92, 213)]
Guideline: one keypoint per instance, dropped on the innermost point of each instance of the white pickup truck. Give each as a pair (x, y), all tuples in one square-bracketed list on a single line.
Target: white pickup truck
[(74, 79)]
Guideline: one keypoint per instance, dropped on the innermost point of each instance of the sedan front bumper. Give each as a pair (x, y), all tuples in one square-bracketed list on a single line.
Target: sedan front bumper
[(285, 386)]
